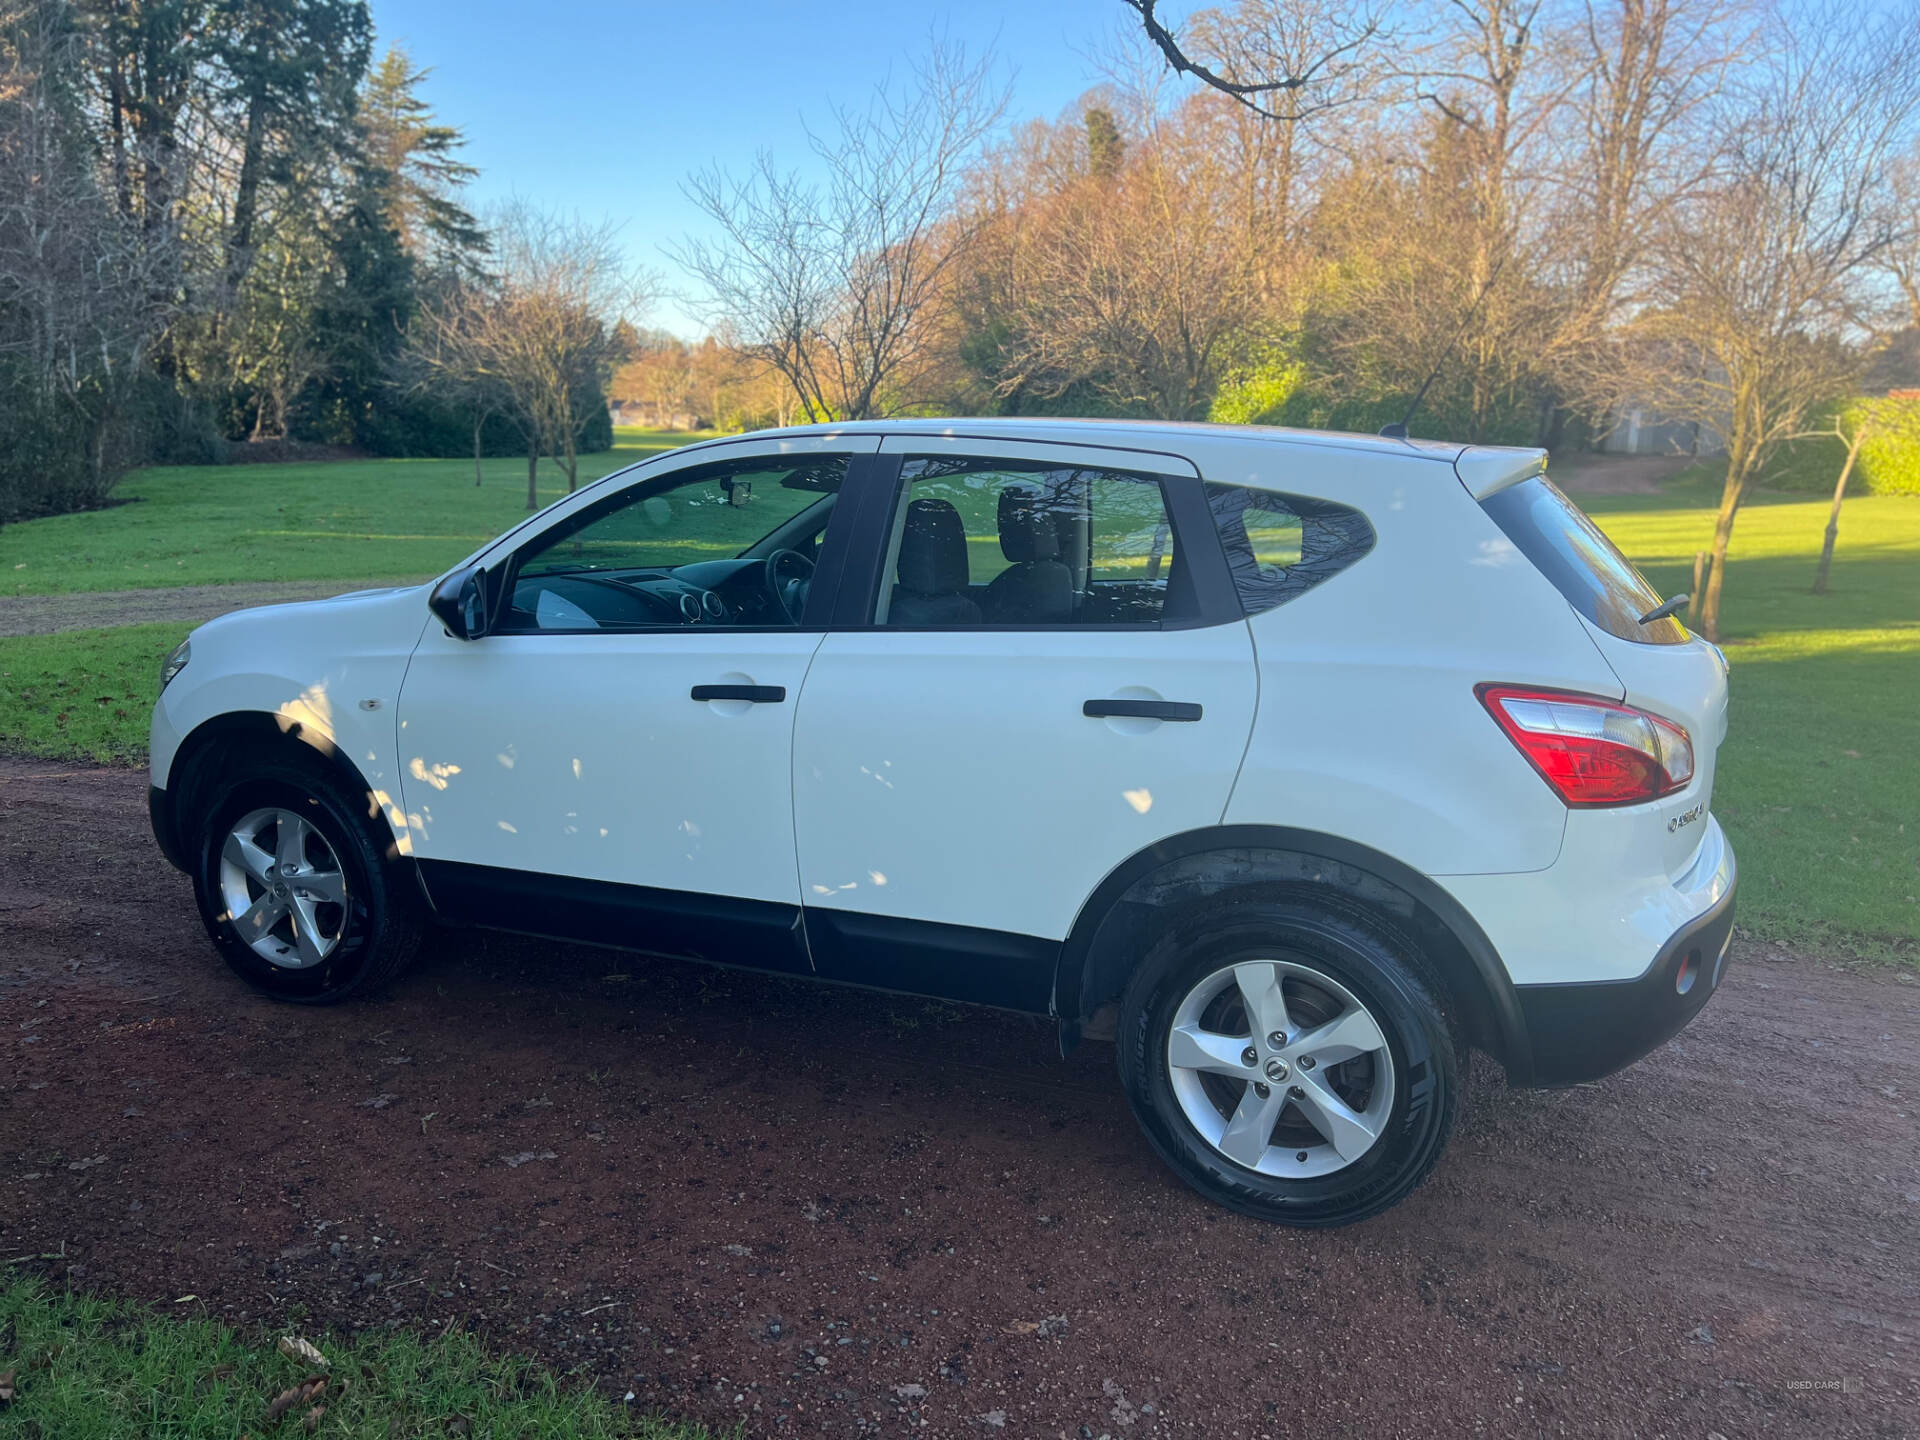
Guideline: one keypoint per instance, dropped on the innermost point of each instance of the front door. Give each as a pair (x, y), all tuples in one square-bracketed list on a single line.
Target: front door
[(611, 762), (1034, 693)]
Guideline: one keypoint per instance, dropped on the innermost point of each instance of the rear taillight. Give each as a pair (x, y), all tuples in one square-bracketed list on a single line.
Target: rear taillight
[(1592, 751)]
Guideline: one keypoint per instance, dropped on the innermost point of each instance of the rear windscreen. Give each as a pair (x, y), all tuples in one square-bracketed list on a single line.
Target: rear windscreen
[(1568, 548)]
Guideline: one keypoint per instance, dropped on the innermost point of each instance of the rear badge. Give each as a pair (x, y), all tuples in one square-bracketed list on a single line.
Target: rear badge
[(1686, 817)]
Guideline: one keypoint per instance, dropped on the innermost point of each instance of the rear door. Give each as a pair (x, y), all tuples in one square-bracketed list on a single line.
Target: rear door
[(1042, 674)]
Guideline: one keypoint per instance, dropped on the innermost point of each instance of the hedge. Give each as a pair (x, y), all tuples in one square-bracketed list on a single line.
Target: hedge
[(1889, 460)]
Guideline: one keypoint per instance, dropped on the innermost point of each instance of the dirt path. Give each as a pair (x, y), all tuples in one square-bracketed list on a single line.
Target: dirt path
[(830, 1213), (1583, 472), (188, 604)]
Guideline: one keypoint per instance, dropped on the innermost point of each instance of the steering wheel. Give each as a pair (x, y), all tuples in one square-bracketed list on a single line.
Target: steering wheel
[(789, 594)]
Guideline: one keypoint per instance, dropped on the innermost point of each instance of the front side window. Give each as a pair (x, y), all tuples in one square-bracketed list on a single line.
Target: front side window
[(1280, 546), (732, 544), (982, 541)]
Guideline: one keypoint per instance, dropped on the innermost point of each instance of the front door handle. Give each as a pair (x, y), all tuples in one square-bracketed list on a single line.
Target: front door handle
[(754, 694), (1142, 709)]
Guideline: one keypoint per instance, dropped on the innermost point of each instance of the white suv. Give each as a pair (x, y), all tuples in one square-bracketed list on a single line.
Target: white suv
[(1298, 763)]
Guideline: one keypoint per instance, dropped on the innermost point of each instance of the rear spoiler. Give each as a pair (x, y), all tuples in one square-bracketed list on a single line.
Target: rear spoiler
[(1488, 469)]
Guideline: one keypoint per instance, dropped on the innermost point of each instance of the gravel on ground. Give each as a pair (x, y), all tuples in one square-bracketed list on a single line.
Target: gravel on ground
[(826, 1212), (188, 604)]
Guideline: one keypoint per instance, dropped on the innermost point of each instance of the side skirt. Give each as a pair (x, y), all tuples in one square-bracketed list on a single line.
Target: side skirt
[(757, 934), (944, 962), (874, 952)]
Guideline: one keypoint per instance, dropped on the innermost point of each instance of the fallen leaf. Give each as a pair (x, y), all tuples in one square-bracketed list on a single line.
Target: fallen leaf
[(459, 1425), (294, 1348), (310, 1422), (282, 1403), (7, 1389)]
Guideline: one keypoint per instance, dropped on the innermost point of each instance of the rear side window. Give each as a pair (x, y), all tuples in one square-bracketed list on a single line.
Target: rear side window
[(1568, 548), (1280, 546)]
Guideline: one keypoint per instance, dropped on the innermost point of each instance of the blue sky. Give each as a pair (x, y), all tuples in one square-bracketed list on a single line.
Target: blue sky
[(603, 108)]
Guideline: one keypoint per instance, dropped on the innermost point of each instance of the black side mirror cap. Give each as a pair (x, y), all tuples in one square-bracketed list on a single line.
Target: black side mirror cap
[(460, 603)]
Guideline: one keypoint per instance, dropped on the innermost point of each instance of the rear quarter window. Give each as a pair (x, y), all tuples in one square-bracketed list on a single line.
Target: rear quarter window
[(1280, 546), (1584, 566)]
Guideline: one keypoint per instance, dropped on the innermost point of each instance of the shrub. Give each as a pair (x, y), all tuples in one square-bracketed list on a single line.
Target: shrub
[(1889, 460)]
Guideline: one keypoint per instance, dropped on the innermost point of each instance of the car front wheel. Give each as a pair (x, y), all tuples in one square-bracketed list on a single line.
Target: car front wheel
[(1290, 1061), (295, 891)]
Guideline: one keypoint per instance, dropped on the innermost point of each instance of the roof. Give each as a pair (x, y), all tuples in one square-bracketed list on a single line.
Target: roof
[(1483, 469)]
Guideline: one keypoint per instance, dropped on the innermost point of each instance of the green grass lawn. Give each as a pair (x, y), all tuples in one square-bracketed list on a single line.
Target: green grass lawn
[(339, 520), (96, 1370)]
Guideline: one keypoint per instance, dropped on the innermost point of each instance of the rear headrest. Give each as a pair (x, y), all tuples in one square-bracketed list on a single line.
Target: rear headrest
[(1026, 526), (933, 549)]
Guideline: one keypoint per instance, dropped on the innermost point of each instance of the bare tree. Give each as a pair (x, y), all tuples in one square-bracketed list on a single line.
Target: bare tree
[(1291, 58), (1901, 259), (1765, 288), (82, 293), (834, 285), (1126, 284), (1651, 67), (1855, 426), (541, 337)]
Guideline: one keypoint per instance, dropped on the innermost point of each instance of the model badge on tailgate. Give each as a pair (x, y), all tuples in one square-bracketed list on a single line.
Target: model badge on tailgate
[(1686, 817)]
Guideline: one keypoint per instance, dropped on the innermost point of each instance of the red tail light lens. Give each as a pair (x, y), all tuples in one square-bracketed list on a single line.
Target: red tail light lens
[(1590, 750)]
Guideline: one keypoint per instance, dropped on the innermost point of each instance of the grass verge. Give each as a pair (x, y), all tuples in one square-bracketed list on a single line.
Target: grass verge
[(86, 1369), (338, 520), (84, 694)]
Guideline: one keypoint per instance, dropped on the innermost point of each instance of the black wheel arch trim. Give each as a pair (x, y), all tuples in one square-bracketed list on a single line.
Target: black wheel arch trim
[(240, 728), (1097, 955)]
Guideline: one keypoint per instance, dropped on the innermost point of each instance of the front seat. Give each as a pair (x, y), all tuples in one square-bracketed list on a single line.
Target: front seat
[(932, 569), (1037, 588)]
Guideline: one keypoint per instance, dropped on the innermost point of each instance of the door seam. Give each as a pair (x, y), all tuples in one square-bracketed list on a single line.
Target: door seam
[(793, 803), (1253, 719)]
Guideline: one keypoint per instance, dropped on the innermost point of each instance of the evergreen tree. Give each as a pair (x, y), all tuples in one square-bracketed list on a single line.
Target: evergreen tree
[(401, 136)]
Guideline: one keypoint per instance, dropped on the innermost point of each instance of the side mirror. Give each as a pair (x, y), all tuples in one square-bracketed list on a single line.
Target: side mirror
[(460, 602)]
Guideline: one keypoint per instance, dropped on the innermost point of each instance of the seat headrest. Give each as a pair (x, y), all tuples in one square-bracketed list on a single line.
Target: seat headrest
[(933, 549), (1026, 526)]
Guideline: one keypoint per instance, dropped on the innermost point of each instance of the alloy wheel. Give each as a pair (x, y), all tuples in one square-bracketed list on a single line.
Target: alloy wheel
[(285, 893), (1281, 1069)]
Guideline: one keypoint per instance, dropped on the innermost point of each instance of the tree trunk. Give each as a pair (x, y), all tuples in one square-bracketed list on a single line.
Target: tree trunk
[(533, 473), (246, 198), (1730, 499), (479, 424), (572, 462), (1833, 518)]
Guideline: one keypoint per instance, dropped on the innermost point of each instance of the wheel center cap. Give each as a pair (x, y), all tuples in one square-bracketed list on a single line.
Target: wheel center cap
[(1276, 1070)]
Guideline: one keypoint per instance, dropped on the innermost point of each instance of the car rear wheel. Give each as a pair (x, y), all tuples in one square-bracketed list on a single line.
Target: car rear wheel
[(1290, 1061), (295, 890)]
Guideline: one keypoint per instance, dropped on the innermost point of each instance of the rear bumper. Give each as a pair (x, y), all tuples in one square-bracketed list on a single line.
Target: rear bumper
[(1582, 1031)]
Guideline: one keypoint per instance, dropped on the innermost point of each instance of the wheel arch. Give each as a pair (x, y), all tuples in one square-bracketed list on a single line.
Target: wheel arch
[(211, 748), (1117, 922)]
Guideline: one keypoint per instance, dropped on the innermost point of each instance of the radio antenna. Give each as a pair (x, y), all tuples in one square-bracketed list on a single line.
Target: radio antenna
[(1398, 429)]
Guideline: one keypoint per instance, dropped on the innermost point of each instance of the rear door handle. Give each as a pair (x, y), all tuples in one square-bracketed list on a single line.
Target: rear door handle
[(756, 694), (1142, 709)]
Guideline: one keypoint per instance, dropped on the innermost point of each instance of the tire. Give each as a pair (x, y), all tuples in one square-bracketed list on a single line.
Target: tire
[(1330, 965), (351, 945)]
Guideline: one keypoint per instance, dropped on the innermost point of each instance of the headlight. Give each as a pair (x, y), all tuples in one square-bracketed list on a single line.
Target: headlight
[(175, 663)]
